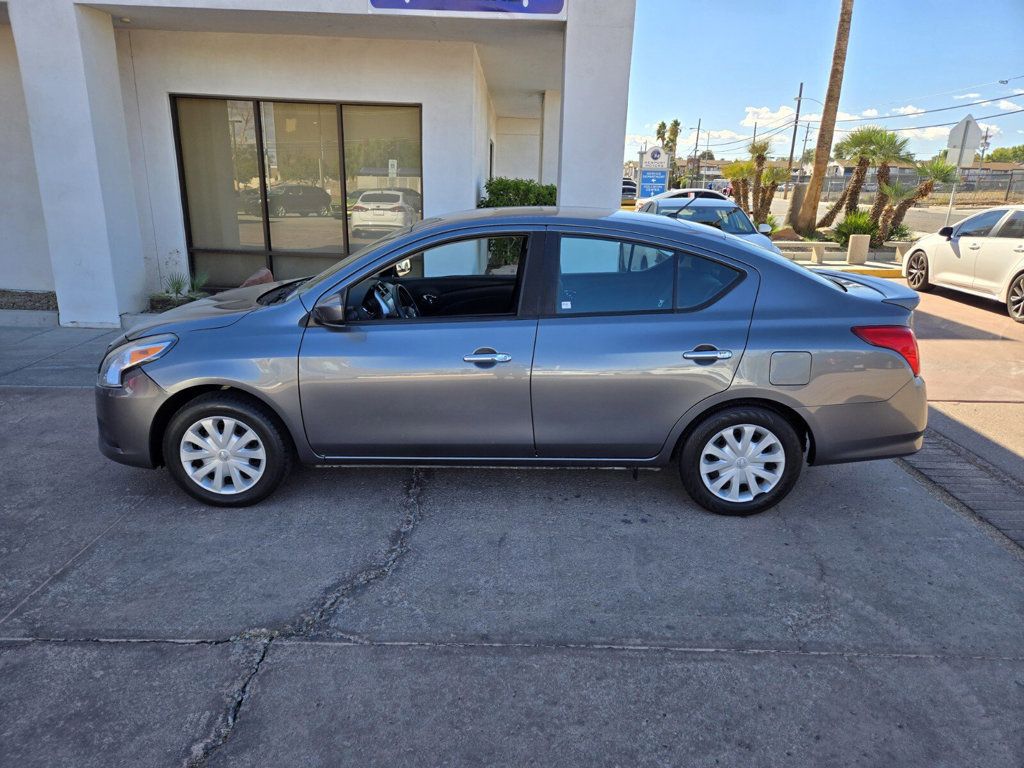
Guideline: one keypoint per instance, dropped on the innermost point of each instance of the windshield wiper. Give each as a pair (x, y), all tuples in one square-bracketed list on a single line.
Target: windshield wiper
[(274, 295), (680, 209)]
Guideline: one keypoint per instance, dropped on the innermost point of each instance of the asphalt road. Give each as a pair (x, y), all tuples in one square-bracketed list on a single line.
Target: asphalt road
[(929, 219), (464, 617)]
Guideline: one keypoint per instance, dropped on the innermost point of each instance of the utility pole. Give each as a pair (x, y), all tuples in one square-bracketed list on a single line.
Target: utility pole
[(707, 148), (754, 140), (696, 147), (792, 144), (806, 134)]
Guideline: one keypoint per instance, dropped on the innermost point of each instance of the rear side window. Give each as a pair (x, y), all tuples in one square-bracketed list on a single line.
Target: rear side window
[(701, 280), (1013, 227), (980, 225), (598, 275)]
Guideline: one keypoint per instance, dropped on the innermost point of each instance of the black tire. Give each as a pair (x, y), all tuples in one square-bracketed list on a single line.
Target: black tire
[(764, 421), (1015, 298), (276, 447), (918, 261), (280, 212)]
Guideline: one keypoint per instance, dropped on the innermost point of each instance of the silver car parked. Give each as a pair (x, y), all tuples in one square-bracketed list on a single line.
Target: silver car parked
[(526, 337)]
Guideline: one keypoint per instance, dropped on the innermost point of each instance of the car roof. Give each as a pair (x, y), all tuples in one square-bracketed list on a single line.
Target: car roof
[(696, 202)]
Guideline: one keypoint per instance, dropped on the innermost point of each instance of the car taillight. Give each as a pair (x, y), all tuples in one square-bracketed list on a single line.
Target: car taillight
[(360, 208), (898, 338)]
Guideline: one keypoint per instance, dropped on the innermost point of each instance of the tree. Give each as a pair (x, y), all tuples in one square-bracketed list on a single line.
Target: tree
[(771, 178), (1007, 154), (859, 145), (809, 210), (707, 154), (739, 173), (931, 172), (758, 156), (660, 132), (896, 194), (889, 148), (671, 137), (807, 157)]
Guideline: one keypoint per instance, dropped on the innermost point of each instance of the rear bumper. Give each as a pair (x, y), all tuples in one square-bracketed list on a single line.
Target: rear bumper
[(125, 418), (864, 431)]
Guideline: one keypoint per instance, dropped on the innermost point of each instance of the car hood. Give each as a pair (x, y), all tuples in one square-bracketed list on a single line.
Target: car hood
[(217, 311)]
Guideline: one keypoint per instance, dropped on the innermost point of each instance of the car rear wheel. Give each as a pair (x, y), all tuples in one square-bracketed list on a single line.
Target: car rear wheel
[(226, 451), (324, 211), (917, 272), (741, 461), (1015, 298), (280, 212)]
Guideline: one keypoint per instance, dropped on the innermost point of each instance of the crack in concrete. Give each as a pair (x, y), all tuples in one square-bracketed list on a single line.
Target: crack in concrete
[(200, 752)]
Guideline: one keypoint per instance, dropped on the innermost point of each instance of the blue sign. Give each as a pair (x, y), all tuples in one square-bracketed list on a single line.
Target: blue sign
[(653, 183), (473, 6)]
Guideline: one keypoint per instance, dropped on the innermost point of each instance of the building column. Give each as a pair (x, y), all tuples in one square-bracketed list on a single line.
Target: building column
[(551, 122), (69, 74), (595, 92)]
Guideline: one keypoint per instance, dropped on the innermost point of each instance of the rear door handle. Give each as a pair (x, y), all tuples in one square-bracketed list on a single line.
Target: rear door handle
[(488, 357), (974, 246), (707, 355)]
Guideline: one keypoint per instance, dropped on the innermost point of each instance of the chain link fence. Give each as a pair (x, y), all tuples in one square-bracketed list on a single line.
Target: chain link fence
[(1000, 189)]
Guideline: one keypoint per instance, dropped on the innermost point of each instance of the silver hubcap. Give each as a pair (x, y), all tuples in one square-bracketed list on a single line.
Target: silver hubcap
[(223, 455), (917, 268), (1015, 302), (742, 462)]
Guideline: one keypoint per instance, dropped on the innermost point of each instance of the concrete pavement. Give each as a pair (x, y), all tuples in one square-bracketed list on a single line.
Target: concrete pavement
[(466, 617)]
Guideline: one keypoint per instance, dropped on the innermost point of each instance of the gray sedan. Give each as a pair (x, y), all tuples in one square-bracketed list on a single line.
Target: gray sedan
[(526, 337)]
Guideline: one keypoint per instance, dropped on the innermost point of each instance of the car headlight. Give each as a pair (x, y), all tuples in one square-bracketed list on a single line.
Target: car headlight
[(131, 354)]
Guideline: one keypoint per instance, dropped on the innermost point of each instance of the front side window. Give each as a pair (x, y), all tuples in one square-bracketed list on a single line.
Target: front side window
[(980, 225), (1014, 226), (474, 277), (599, 275)]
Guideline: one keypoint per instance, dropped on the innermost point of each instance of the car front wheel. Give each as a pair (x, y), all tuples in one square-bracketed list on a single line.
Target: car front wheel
[(741, 461), (226, 451), (1015, 299), (917, 272)]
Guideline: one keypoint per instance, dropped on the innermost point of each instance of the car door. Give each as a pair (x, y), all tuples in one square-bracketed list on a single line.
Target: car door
[(623, 352), (954, 261), (444, 386), (1002, 251)]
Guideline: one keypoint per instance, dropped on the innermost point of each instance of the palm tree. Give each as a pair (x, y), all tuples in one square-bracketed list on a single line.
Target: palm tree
[(890, 148), (895, 193), (671, 137), (660, 132), (932, 172), (759, 156), (771, 178), (809, 210), (739, 174), (860, 144)]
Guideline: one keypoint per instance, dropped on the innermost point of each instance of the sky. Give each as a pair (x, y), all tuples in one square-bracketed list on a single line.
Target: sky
[(731, 64)]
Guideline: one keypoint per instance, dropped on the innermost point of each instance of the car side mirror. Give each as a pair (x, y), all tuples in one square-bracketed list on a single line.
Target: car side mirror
[(330, 311), (764, 229), (946, 232)]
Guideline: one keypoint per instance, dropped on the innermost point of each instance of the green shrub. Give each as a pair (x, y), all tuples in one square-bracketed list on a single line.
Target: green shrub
[(901, 232), (177, 284), (772, 222), (503, 193), (855, 223)]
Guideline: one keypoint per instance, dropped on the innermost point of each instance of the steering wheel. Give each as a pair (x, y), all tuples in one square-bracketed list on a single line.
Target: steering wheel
[(390, 300)]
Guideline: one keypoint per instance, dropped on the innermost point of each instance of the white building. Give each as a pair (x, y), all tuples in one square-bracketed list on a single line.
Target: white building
[(148, 138)]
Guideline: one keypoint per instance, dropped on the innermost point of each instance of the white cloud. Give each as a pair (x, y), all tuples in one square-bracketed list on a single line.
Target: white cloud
[(927, 134), (764, 116), (1018, 91), (635, 142), (993, 130), (910, 109), (869, 113), (1006, 104), (968, 96)]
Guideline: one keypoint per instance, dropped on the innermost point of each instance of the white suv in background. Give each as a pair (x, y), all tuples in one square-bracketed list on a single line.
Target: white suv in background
[(385, 210), (982, 255)]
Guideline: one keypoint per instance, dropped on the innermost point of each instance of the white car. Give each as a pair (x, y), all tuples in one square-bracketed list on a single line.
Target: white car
[(982, 255), (384, 210), (688, 192), (713, 212)]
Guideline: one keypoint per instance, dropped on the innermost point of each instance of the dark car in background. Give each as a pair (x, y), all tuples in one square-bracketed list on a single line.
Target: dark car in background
[(530, 336), (283, 199)]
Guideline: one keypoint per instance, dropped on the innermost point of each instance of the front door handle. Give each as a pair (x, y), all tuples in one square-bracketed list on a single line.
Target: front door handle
[(974, 246), (707, 355), (487, 358)]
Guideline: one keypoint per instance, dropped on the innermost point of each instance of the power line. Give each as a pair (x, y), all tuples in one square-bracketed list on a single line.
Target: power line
[(749, 138), (922, 112), (938, 125), (957, 90)]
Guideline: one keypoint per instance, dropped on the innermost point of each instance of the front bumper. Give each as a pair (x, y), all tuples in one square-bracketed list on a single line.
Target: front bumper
[(875, 430), (125, 418)]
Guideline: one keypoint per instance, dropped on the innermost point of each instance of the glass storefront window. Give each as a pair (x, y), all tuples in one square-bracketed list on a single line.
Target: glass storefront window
[(263, 182), (300, 150), (219, 158), (383, 174)]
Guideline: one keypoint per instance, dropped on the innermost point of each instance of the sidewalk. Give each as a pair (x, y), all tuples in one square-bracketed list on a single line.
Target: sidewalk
[(52, 356)]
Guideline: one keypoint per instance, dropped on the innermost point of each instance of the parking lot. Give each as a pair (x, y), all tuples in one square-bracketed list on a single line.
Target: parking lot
[(504, 617)]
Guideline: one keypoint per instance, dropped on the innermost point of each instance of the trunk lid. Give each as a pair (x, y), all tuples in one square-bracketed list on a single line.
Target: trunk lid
[(883, 289)]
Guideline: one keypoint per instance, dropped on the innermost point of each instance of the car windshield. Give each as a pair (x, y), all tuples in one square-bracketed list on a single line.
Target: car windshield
[(380, 197), (728, 218)]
